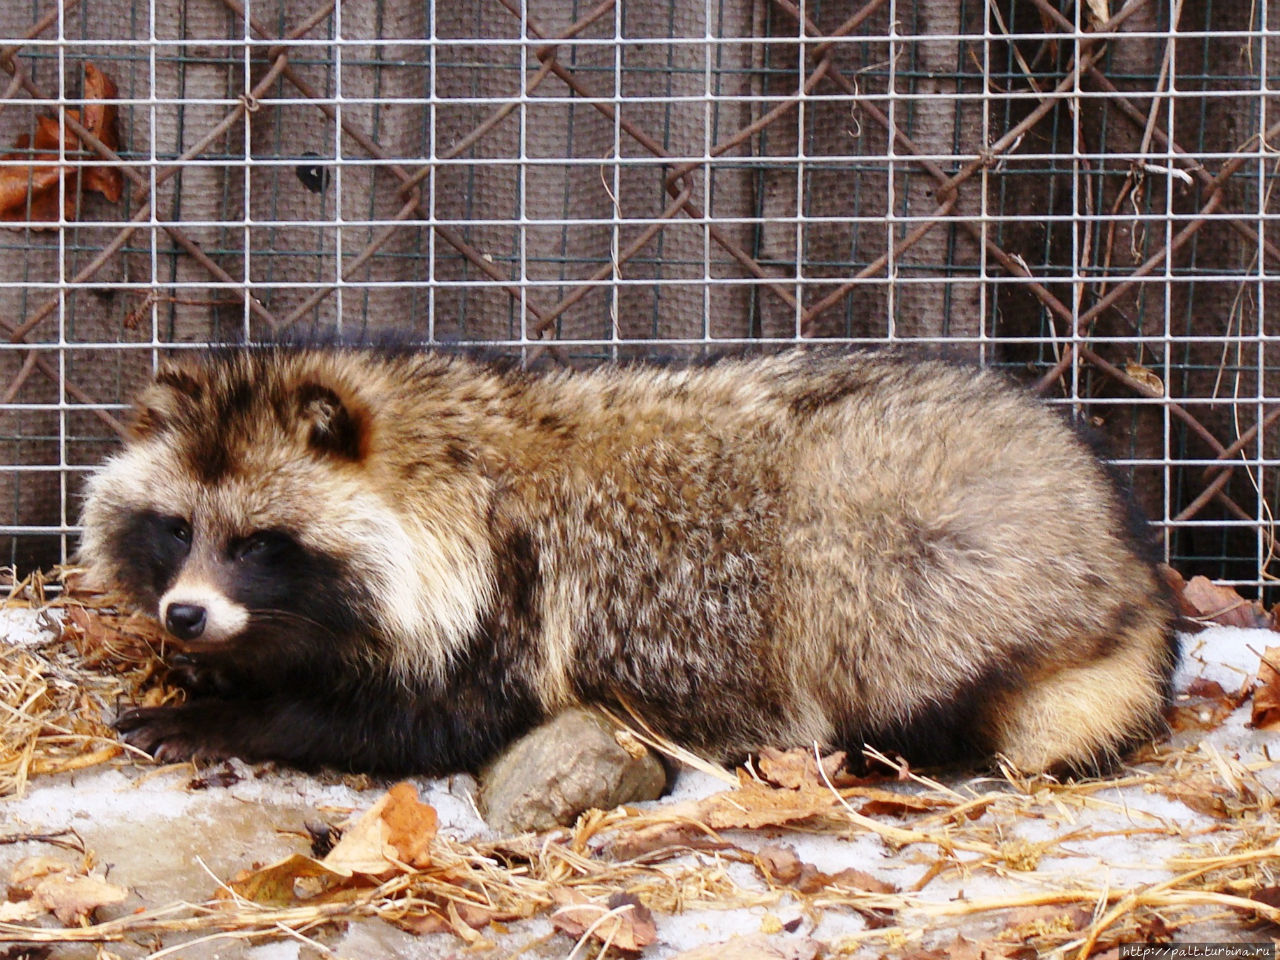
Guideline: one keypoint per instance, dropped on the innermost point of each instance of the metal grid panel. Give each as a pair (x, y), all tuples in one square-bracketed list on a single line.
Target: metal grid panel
[(1080, 193)]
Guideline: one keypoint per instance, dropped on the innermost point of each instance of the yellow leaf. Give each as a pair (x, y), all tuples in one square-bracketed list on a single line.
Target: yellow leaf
[(1147, 378)]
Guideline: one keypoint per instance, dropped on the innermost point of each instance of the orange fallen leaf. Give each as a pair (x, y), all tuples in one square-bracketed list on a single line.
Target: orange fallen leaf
[(1154, 928), (797, 768), (1204, 705), (30, 192), (411, 825), (52, 886), (962, 948), (805, 795), (38, 183), (100, 120), (1178, 586), (1223, 605), (756, 804), (623, 922), (463, 918), (1144, 376), (396, 830), (781, 864), (664, 835), (1266, 697), (288, 881), (1203, 796), (393, 835), (886, 803), (1268, 897)]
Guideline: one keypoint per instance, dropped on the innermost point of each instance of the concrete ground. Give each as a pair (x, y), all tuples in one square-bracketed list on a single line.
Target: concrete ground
[(169, 840)]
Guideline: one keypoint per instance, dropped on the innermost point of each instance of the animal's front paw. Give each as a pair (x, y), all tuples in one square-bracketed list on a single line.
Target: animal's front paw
[(198, 676), (170, 734)]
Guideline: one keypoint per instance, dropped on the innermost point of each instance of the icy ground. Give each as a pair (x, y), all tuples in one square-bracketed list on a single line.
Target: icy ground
[(167, 843)]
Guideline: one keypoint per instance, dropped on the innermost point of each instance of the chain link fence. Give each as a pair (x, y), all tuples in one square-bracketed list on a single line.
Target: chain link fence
[(1080, 193)]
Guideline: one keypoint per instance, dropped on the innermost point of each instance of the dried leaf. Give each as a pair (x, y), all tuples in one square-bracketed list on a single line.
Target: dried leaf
[(20, 911), (887, 803), (224, 776), (756, 804), (100, 120), (477, 916), (394, 833), (411, 825), (72, 899), (1267, 896), (39, 183), (666, 835), (27, 873), (797, 768), (422, 924), (1201, 795), (1266, 698), (30, 192), (849, 878), (805, 795), (1218, 604), (1178, 586), (1204, 689), (624, 922), (55, 887), (1154, 929), (780, 864), (397, 829), (293, 879), (1137, 371), (1205, 705), (50, 136)]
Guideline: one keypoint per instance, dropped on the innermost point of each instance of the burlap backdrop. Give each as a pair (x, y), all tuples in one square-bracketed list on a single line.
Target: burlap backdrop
[(412, 106)]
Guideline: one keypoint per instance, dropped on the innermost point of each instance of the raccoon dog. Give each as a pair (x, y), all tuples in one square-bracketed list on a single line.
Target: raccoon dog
[(398, 562)]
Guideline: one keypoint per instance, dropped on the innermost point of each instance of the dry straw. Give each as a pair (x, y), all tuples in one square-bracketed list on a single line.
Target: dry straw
[(58, 695)]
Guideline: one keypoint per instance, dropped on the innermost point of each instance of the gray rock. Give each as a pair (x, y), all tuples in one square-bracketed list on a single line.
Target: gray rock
[(577, 761)]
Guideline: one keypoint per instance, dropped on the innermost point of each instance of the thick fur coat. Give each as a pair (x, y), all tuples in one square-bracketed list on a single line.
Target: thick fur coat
[(398, 562)]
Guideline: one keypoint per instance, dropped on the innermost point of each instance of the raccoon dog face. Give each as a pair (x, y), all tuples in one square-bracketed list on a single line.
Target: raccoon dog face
[(259, 508), (210, 518)]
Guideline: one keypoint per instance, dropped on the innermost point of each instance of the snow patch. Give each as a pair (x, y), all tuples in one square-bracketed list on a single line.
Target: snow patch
[(169, 842)]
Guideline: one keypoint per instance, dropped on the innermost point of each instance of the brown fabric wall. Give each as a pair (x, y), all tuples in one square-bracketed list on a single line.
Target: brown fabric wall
[(602, 137)]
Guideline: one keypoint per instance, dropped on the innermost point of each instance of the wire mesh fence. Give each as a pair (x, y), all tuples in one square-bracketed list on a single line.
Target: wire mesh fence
[(1080, 193)]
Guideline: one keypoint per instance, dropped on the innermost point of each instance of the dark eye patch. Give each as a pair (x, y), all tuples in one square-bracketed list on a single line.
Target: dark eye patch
[(264, 547), (271, 571), (150, 550)]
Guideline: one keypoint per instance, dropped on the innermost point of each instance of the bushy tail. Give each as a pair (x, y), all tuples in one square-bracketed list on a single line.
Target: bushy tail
[(1082, 717)]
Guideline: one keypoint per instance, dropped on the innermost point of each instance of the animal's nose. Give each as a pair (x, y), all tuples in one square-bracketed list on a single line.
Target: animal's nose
[(186, 621)]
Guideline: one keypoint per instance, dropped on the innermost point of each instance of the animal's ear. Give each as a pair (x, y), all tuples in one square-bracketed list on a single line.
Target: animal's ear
[(172, 388), (335, 425)]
